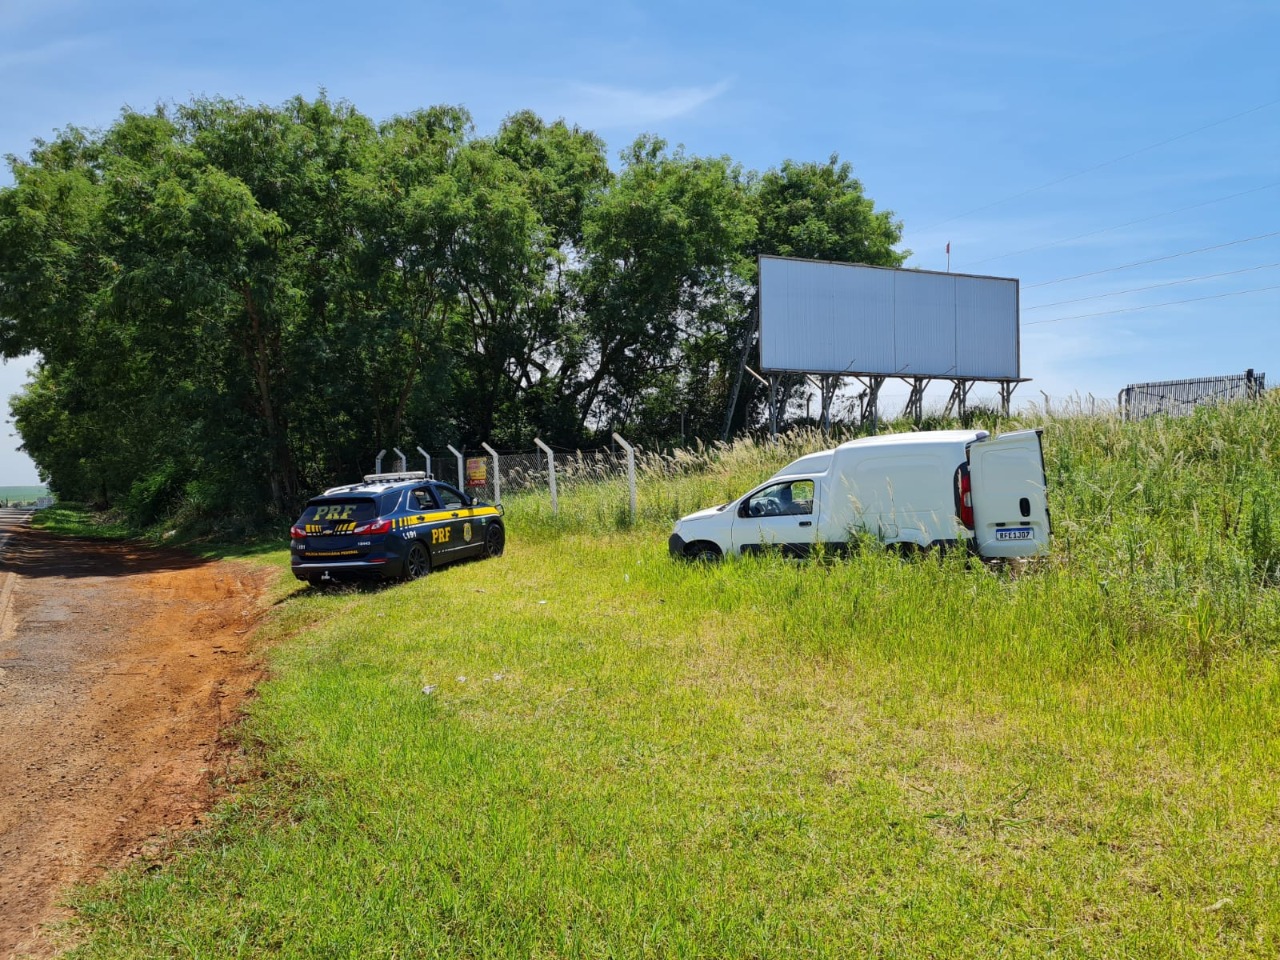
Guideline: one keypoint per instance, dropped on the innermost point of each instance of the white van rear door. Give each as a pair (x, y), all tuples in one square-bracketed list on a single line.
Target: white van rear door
[(1010, 503)]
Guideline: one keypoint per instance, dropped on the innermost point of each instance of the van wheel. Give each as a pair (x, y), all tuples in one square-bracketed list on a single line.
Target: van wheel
[(417, 563), (703, 552)]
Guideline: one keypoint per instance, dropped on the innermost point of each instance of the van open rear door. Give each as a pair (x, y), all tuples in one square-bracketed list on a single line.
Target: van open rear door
[(1010, 506)]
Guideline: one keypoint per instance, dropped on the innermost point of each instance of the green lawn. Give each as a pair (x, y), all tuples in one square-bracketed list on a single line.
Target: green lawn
[(584, 749)]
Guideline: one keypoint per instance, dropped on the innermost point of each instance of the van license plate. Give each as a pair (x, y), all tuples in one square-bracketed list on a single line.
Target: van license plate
[(1014, 533)]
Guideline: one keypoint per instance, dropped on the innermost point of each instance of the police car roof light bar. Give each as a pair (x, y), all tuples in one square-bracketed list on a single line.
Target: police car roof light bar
[(393, 477)]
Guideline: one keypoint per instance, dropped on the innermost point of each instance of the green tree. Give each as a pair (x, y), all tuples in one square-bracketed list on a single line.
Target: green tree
[(663, 248), (524, 197), (237, 304), (818, 211)]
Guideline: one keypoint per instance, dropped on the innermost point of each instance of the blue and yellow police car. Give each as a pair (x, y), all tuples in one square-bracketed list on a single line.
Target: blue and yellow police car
[(391, 526)]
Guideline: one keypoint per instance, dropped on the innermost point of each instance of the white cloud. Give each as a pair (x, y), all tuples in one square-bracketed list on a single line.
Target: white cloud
[(599, 106)]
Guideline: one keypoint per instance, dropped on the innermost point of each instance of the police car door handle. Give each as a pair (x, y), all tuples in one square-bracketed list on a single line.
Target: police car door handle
[(454, 514), (806, 523)]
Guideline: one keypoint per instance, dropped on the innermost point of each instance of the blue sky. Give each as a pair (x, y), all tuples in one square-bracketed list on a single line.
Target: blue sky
[(1042, 141)]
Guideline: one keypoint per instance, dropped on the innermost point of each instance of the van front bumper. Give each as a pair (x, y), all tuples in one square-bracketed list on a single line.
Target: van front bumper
[(676, 545)]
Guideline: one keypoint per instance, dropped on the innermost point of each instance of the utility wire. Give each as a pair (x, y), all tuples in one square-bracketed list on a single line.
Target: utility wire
[(1140, 263), (1121, 226), (1153, 286), (1105, 163), (1152, 306)]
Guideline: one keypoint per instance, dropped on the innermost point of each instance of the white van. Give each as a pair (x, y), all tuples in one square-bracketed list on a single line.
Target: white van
[(929, 489)]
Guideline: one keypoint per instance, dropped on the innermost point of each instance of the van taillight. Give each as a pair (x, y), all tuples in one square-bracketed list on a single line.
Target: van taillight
[(377, 526), (966, 498)]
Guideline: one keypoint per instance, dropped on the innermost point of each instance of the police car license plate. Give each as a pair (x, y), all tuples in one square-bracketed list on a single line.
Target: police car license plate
[(1014, 533)]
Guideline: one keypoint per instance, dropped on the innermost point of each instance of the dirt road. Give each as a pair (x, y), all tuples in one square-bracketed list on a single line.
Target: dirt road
[(120, 668)]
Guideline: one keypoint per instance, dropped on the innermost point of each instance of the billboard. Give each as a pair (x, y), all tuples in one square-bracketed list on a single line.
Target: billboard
[(845, 318)]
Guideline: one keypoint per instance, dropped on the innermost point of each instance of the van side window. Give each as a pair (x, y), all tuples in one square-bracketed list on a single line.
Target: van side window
[(423, 500), (789, 498)]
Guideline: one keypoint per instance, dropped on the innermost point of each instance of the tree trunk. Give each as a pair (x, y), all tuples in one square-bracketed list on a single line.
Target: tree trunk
[(259, 350)]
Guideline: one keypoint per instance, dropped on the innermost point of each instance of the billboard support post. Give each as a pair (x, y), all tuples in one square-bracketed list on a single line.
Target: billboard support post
[(871, 402), (773, 405), (915, 403), (959, 398), (750, 331), (1006, 393), (828, 387)]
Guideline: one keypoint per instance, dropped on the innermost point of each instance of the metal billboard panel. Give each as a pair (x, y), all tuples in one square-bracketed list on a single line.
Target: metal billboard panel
[(924, 327), (840, 318), (986, 327), (864, 314)]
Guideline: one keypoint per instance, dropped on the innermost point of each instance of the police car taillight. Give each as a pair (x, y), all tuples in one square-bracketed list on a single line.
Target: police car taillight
[(297, 533), (377, 526)]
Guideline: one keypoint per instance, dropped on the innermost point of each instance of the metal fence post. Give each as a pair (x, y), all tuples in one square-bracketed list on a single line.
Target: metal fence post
[(462, 480), (404, 464), (551, 472), (377, 464), (631, 471), (428, 459), (497, 473)]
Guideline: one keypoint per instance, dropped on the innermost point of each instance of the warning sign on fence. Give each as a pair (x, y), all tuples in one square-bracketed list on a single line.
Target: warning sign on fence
[(477, 472)]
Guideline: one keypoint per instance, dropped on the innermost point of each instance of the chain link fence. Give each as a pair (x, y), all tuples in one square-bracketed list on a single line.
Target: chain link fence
[(520, 471)]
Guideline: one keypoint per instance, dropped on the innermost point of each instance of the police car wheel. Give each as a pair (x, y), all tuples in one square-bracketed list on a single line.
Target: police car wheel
[(495, 540), (416, 563)]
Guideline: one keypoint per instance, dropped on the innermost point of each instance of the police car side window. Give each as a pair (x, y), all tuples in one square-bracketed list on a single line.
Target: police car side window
[(423, 500), (451, 498)]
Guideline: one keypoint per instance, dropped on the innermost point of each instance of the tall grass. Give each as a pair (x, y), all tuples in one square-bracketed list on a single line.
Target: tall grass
[(586, 749)]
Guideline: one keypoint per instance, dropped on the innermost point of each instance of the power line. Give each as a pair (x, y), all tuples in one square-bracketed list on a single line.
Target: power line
[(1121, 226), (1153, 286), (1105, 163), (1152, 306), (1140, 263)]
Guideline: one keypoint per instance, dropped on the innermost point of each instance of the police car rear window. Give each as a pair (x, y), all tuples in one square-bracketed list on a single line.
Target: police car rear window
[(338, 511)]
